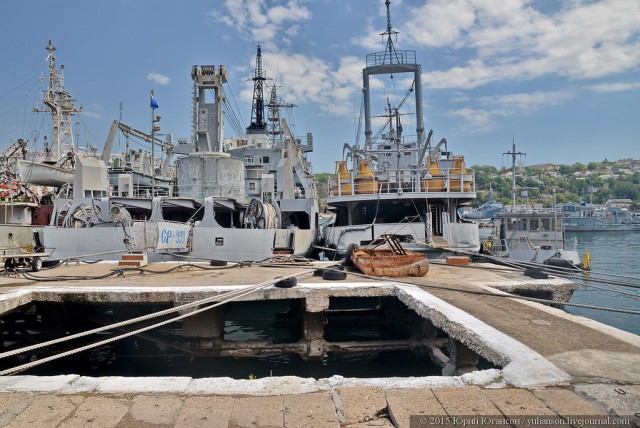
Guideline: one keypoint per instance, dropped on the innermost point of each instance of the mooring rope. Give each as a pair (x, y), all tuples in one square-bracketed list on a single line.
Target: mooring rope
[(507, 295), (230, 296)]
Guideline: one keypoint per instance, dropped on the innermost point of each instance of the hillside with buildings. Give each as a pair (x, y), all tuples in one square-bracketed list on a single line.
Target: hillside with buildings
[(594, 182)]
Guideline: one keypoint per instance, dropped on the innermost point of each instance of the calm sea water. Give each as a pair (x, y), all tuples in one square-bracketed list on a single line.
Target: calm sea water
[(611, 253)]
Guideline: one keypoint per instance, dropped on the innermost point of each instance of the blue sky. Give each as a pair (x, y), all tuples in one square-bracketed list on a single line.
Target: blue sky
[(562, 78)]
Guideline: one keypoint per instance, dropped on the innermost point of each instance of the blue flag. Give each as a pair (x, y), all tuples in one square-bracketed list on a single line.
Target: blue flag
[(154, 103)]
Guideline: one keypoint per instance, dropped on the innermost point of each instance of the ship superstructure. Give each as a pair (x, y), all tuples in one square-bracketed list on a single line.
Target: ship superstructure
[(241, 199), (397, 183)]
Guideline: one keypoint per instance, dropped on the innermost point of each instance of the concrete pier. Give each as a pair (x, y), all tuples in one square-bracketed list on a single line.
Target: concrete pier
[(548, 362)]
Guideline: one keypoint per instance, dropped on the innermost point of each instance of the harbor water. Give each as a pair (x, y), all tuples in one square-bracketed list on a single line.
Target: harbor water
[(613, 253)]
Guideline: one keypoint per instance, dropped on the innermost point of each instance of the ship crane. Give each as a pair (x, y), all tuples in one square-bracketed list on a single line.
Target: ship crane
[(9, 152), (128, 131)]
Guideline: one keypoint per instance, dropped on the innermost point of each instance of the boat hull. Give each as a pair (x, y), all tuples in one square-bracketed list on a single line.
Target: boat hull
[(385, 262), (597, 225), (42, 174), (206, 243)]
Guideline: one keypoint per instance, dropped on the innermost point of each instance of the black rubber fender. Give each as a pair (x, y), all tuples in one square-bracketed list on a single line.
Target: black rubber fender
[(348, 259), (287, 282), (217, 263), (535, 273), (333, 275)]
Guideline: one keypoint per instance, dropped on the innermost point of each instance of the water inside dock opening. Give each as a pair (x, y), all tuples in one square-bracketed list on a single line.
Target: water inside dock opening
[(352, 337)]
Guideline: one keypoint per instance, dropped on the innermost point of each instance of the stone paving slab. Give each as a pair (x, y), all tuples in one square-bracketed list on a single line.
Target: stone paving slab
[(45, 411), (153, 410), (404, 403), (468, 401), (98, 412), (618, 400), (12, 405), (359, 405), (315, 410), (566, 402), (205, 412), (518, 402), (320, 409), (257, 412)]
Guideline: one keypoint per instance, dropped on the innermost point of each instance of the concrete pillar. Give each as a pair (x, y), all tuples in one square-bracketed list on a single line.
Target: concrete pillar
[(208, 324), (313, 334), (313, 327), (461, 359), (425, 330)]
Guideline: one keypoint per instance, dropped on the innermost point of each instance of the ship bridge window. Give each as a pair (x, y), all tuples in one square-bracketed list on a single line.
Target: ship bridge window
[(546, 224), (534, 224), (296, 219), (518, 224), (396, 213), (265, 159)]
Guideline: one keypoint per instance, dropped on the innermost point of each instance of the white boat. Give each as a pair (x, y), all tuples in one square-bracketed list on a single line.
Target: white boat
[(397, 183), (246, 199), (530, 236), (43, 174)]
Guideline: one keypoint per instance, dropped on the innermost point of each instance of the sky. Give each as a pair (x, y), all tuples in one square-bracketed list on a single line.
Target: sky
[(560, 78)]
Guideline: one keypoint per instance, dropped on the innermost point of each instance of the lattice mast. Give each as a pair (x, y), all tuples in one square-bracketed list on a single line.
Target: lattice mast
[(258, 125), (61, 105)]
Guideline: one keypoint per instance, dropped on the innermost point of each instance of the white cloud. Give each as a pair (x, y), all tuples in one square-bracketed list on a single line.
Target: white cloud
[(255, 20), (509, 105), (158, 79), (476, 120), (528, 101), (517, 42), (92, 115), (614, 87), (304, 79)]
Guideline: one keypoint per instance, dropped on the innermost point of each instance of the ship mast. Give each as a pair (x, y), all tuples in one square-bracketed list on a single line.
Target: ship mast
[(258, 124), (60, 104), (513, 155), (391, 62), (275, 132)]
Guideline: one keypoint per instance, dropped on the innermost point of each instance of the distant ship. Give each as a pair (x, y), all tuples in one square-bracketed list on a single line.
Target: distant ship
[(395, 183), (589, 218), (486, 211)]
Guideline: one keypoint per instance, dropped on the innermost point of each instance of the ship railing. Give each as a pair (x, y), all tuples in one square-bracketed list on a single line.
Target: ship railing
[(391, 57), (394, 181), (525, 243)]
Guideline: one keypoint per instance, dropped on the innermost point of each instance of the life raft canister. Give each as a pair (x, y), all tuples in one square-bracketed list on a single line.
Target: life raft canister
[(4, 190)]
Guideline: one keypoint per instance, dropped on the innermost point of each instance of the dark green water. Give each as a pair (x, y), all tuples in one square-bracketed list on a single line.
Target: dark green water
[(244, 321)]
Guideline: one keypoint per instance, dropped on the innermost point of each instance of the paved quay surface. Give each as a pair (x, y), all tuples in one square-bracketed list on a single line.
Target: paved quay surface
[(601, 363)]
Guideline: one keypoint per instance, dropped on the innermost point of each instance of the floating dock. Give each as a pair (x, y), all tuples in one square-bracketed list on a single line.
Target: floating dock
[(544, 361)]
